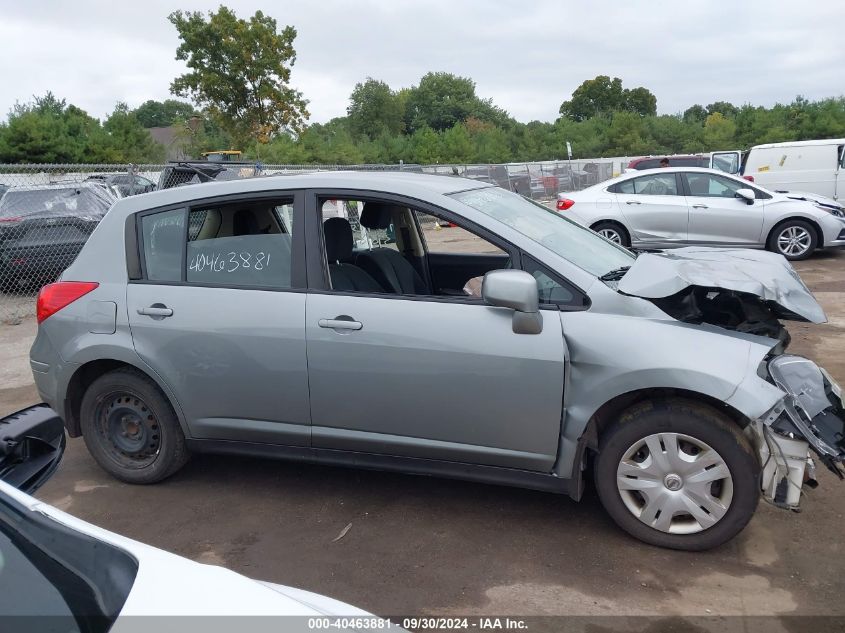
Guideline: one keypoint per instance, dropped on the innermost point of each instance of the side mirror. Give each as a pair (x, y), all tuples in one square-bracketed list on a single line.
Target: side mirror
[(517, 290), (31, 445), (745, 194)]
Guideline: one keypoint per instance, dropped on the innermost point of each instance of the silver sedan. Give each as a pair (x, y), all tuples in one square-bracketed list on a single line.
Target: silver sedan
[(670, 207)]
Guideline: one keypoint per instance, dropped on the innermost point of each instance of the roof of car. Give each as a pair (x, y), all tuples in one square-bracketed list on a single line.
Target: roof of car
[(58, 186), (670, 169), (669, 156), (826, 141), (400, 182)]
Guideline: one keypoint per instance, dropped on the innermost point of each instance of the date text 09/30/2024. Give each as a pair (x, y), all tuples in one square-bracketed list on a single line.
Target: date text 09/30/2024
[(419, 623)]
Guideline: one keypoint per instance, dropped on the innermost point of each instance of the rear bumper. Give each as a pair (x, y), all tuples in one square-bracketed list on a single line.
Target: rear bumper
[(48, 368)]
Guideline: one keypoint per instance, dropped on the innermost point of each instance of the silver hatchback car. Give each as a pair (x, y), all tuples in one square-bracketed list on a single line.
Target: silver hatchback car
[(440, 326)]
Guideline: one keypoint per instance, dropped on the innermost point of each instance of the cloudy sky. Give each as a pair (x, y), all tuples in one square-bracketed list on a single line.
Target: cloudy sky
[(527, 55)]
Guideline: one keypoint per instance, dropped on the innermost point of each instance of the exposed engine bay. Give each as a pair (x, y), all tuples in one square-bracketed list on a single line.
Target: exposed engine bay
[(733, 310)]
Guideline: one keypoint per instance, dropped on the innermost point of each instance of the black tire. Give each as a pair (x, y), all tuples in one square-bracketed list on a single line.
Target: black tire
[(616, 228), (800, 226), (695, 420), (130, 428)]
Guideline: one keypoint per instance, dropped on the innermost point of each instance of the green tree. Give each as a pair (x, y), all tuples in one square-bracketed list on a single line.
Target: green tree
[(726, 109), (440, 101), (457, 145), (374, 108), (719, 131), (695, 114), (425, 146), (163, 113), (239, 71), (640, 101), (49, 131), (129, 140), (625, 135), (594, 97), (603, 95)]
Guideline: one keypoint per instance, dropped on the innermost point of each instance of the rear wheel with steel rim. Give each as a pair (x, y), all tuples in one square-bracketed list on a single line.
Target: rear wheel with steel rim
[(794, 239), (614, 232), (677, 474), (130, 428)]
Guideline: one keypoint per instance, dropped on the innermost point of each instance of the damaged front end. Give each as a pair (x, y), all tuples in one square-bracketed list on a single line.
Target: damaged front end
[(738, 289), (751, 292)]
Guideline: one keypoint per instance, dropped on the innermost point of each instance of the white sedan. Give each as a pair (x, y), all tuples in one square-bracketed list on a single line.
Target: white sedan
[(682, 206)]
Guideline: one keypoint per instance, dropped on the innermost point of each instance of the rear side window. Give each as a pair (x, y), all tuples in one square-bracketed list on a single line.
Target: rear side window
[(240, 244), (162, 235), (653, 185)]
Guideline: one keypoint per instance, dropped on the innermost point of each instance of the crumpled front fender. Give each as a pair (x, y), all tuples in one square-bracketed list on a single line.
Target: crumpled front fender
[(614, 355)]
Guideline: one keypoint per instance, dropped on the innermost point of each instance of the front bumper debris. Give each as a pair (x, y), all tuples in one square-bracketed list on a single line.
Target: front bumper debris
[(32, 442), (811, 416), (812, 409)]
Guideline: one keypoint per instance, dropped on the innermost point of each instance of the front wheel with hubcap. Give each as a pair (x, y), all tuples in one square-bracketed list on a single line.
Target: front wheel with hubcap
[(131, 429), (794, 239), (677, 474)]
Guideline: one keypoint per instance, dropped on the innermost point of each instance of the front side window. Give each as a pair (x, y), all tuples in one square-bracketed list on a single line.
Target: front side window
[(552, 290), (571, 241), (653, 185), (245, 243), (442, 236), (710, 186)]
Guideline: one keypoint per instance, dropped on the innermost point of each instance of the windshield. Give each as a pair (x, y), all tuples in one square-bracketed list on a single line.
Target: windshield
[(570, 240)]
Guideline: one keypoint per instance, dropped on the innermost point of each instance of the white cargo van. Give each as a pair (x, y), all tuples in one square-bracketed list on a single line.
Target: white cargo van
[(816, 167)]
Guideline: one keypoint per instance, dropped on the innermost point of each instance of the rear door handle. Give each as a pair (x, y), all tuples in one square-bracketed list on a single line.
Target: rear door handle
[(340, 324), (157, 310), (700, 206), (633, 202)]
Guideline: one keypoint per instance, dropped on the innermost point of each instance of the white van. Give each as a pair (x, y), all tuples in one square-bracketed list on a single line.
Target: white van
[(801, 166)]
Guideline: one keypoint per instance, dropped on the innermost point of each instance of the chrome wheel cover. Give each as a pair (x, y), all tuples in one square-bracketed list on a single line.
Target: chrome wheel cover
[(674, 483), (794, 241), (611, 234)]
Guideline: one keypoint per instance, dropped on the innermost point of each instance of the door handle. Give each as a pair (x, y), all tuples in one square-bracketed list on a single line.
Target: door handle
[(633, 202), (700, 206), (339, 323), (157, 310)]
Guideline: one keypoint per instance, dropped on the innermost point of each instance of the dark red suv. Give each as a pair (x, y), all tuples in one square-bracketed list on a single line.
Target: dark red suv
[(675, 160)]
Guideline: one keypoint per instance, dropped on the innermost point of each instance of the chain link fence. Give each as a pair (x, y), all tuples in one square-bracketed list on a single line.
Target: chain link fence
[(48, 211)]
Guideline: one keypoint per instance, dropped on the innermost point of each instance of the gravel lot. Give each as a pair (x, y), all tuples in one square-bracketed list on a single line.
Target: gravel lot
[(421, 545)]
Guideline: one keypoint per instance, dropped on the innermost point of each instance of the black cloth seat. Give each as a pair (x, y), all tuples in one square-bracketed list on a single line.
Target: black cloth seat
[(345, 276), (386, 265)]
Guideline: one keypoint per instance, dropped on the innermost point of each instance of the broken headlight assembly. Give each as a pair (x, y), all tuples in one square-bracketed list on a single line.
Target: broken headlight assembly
[(810, 416)]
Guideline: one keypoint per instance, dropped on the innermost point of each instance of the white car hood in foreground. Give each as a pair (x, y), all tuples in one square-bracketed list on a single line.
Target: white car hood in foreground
[(170, 585), (767, 275)]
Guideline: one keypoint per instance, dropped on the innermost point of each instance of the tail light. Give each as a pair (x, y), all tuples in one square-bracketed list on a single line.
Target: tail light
[(12, 218), (564, 203), (749, 178), (54, 297)]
